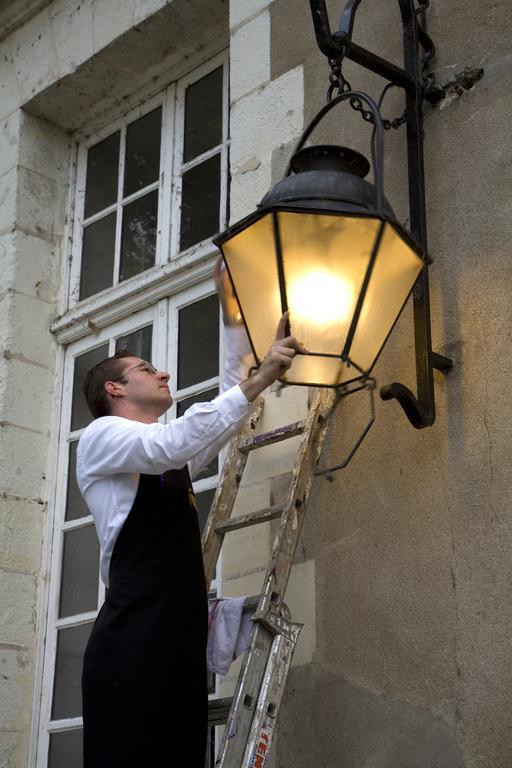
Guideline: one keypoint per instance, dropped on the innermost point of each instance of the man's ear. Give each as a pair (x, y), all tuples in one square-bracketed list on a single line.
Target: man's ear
[(114, 388)]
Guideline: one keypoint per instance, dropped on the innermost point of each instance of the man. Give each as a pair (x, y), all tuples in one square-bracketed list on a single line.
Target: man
[(144, 679)]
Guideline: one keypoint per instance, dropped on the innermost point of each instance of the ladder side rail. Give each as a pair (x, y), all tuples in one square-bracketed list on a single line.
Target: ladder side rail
[(225, 495), (263, 726), (288, 534), (271, 602), (236, 732)]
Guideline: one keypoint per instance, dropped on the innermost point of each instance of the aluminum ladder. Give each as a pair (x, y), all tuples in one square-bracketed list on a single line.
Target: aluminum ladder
[(251, 714)]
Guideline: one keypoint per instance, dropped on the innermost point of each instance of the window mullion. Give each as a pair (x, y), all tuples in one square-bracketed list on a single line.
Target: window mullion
[(224, 157), (179, 132), (164, 224), (119, 219)]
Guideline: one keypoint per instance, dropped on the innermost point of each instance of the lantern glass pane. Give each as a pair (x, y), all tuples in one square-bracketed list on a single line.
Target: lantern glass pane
[(250, 256), (320, 371), (325, 260), (395, 271)]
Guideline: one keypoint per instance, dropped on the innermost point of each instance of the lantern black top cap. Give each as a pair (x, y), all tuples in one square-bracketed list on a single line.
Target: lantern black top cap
[(328, 157)]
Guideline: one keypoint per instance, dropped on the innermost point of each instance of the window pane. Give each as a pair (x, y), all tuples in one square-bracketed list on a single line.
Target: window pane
[(67, 692), (80, 414), (75, 504), (139, 235), (198, 342), (80, 572), (98, 248), (102, 175), (203, 115), (142, 164), (184, 405), (200, 200), (204, 502), (202, 397), (139, 343), (66, 749)]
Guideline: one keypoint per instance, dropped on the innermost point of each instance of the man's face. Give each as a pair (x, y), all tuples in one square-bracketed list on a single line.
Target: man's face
[(145, 387)]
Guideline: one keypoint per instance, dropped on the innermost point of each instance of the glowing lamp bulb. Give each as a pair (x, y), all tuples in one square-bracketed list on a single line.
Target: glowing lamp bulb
[(321, 298)]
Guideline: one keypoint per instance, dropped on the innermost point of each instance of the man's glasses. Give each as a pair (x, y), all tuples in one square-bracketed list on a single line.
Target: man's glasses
[(143, 365)]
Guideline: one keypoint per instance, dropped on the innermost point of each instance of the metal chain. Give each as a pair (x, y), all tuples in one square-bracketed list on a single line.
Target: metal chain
[(339, 82)]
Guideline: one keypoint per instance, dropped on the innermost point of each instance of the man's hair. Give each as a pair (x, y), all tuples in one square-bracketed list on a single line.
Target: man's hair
[(94, 385)]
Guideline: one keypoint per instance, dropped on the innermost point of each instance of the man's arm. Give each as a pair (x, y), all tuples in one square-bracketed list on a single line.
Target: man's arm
[(115, 445)]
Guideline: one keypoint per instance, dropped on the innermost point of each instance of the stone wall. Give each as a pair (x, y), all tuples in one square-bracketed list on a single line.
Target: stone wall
[(62, 62)]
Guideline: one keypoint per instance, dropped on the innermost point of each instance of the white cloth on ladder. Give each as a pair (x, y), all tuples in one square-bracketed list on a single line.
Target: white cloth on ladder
[(229, 632)]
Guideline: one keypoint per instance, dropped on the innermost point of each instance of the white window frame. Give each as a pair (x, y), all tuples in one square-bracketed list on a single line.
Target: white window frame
[(156, 282), (60, 526), (165, 100), (163, 317), (175, 280)]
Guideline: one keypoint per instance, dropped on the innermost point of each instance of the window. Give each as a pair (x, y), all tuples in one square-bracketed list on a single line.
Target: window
[(151, 190), (153, 185)]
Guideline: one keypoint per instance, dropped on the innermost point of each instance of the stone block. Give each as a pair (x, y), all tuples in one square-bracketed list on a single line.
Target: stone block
[(15, 673), (144, 8), (26, 395), (44, 148), (27, 336), (25, 455), (242, 10), (21, 534), (110, 20), (7, 249), (284, 406), (35, 56), (247, 585), (42, 204), (30, 266), (266, 118), (247, 548), (300, 599), (10, 96), (9, 741), (251, 42), (9, 141), (8, 189), (248, 185), (17, 601), (71, 25)]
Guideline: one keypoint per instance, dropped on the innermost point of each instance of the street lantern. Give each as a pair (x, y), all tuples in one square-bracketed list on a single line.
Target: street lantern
[(324, 245)]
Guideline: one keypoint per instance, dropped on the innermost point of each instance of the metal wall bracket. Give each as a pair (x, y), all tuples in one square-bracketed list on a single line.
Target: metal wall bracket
[(418, 49)]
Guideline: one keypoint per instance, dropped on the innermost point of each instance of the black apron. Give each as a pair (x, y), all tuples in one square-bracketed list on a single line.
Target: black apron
[(144, 681)]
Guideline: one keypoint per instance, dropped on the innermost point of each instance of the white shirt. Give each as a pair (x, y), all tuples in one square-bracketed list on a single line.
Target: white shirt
[(114, 451)]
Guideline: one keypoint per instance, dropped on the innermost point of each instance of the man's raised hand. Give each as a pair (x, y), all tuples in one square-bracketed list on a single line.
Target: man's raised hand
[(276, 362)]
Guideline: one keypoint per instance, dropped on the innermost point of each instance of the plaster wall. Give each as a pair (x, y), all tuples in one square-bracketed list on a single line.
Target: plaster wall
[(411, 543)]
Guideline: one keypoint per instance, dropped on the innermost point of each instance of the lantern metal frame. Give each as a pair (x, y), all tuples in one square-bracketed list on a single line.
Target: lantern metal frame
[(366, 201), (420, 408)]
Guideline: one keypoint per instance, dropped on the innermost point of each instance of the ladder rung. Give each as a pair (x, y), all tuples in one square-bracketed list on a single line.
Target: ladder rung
[(218, 710), (252, 518), (275, 436)]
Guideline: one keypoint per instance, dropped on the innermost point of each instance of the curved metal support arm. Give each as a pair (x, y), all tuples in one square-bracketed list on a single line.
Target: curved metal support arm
[(418, 416)]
